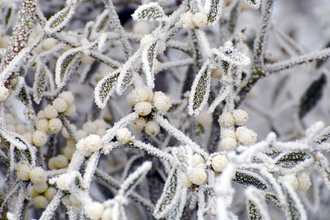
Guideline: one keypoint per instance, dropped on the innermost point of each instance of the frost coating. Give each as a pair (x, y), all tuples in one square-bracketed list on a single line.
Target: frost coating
[(143, 108), (123, 135), (219, 163), (226, 120), (246, 136), (4, 92), (161, 102), (90, 144)]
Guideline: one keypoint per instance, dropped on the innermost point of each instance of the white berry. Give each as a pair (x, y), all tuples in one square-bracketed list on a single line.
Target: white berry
[(199, 19), (67, 96), (240, 116), (89, 144), (228, 144), (141, 27), (228, 133), (161, 101), (291, 179), (4, 92), (152, 128), (70, 110), (54, 125), (90, 127), (107, 214), (226, 120), (186, 181), (38, 176), (23, 172), (186, 20), (39, 138), (139, 123), (304, 182), (50, 112), (204, 119), (40, 202), (123, 135), (219, 163), (143, 108), (246, 136), (198, 159), (60, 104), (198, 176), (94, 211), (50, 193)]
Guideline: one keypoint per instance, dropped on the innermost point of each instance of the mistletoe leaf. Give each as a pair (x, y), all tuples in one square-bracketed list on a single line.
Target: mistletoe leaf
[(63, 65), (40, 83), (170, 196), (135, 178), (148, 57), (247, 178), (59, 20), (200, 90), (150, 12), (312, 96), (215, 12), (105, 88)]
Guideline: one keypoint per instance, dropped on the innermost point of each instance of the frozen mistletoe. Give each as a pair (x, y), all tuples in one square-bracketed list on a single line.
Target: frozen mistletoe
[(192, 109)]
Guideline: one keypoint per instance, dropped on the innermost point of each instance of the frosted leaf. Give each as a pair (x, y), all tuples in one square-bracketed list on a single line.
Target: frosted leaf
[(105, 88), (171, 194), (176, 212), (184, 156), (200, 90), (59, 20), (254, 3), (229, 54), (102, 21), (296, 210), (215, 12), (312, 96), (17, 140), (40, 83), (149, 12), (24, 96), (223, 94), (247, 178), (63, 64), (256, 205), (90, 169), (135, 178), (291, 158), (148, 57), (124, 80)]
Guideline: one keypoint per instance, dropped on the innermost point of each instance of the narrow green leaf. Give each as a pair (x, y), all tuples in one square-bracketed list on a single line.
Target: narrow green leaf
[(200, 90), (292, 158), (169, 197), (246, 178), (59, 20), (148, 57), (63, 65), (135, 178), (149, 12), (253, 211), (40, 83), (215, 12), (295, 210), (105, 88), (312, 96)]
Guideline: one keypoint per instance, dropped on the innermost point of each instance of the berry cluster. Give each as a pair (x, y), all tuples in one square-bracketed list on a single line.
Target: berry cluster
[(243, 135)]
